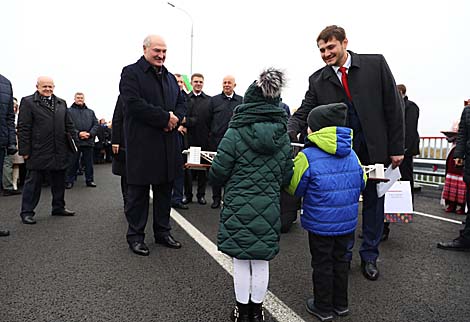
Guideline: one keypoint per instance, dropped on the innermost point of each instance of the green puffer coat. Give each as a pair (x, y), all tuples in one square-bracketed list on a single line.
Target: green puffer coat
[(253, 161)]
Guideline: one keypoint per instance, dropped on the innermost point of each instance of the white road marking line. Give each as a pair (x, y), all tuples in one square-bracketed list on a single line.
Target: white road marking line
[(439, 218), (272, 303), (277, 308)]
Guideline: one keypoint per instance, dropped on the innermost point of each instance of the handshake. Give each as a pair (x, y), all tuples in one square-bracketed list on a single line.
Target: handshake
[(11, 149)]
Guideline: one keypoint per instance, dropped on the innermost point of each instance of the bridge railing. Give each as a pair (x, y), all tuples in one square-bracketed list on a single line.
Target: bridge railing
[(430, 166)]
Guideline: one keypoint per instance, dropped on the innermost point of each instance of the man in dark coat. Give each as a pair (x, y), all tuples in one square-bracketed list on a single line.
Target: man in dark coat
[(153, 106), (45, 131), (366, 84), (198, 127), (119, 148), (221, 110), (7, 127), (86, 124), (462, 158)]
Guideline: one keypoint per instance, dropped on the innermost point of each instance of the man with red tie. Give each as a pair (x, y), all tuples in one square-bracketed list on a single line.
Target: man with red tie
[(366, 84)]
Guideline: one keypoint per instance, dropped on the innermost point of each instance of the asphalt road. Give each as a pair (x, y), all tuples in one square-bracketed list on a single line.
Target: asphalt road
[(80, 268)]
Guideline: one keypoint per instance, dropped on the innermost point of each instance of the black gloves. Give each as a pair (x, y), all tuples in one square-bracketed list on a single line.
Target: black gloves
[(11, 149)]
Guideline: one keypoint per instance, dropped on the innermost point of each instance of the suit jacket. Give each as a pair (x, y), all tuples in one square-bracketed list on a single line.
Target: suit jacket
[(42, 133), (151, 153), (375, 98)]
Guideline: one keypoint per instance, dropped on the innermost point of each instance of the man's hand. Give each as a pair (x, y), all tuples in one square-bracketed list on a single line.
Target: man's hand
[(182, 130), (458, 162), (172, 122), (26, 157), (115, 148), (84, 135), (396, 160)]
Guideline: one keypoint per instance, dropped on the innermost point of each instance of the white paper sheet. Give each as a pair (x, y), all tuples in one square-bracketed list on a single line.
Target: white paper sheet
[(393, 175)]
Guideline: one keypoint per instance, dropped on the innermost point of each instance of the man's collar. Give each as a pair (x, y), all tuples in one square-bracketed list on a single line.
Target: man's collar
[(347, 64)]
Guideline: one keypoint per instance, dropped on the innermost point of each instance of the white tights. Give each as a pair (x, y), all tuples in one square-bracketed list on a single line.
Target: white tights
[(250, 277)]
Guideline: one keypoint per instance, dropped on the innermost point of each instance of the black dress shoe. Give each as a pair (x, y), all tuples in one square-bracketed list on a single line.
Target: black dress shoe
[(11, 192), (91, 184), (201, 201), (369, 270), (28, 220), (168, 241), (139, 248), (4, 233), (68, 185), (179, 205), (215, 205), (457, 244), (63, 212), (186, 200)]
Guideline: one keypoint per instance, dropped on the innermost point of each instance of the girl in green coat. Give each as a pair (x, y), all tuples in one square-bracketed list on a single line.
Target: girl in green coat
[(253, 162)]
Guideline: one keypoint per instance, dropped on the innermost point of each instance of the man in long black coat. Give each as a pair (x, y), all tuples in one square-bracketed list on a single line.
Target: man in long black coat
[(221, 108), (44, 132), (153, 106), (374, 113)]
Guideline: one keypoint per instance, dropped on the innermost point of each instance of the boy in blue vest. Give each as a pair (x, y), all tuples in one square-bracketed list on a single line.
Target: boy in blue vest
[(329, 177)]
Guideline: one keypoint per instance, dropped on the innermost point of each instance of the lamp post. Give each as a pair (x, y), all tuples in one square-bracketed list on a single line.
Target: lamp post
[(192, 25)]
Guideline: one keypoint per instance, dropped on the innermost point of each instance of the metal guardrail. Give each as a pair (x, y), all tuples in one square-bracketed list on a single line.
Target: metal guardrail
[(429, 167)]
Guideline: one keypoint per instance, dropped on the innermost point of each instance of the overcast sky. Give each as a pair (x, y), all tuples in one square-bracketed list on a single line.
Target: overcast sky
[(85, 44)]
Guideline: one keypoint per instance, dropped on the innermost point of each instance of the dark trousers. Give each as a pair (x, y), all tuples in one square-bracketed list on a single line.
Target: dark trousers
[(216, 193), (465, 232), (32, 190), (124, 190), (372, 224), (87, 159), (330, 270), (201, 176), (178, 186), (137, 210)]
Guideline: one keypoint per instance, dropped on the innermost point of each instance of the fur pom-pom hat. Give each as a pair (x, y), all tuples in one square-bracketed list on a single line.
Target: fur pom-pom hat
[(271, 81)]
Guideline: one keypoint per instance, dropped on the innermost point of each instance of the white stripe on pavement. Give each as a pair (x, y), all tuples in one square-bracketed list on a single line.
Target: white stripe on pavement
[(439, 218), (272, 303)]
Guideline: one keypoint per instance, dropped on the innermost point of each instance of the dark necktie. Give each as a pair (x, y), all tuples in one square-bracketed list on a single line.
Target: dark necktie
[(344, 80)]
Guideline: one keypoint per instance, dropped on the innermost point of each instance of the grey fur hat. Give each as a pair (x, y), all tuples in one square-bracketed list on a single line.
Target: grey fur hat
[(327, 115), (271, 81)]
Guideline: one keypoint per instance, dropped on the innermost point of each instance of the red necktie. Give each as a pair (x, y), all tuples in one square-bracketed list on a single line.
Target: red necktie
[(344, 80)]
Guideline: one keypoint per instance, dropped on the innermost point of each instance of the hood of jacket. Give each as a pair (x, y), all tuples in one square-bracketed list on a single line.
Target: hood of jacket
[(260, 121), (335, 140)]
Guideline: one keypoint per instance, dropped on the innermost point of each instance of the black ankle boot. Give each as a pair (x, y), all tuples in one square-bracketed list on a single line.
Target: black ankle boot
[(256, 314), (241, 313)]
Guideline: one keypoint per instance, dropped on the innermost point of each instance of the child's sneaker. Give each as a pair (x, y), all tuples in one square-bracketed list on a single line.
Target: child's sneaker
[(341, 311), (312, 309)]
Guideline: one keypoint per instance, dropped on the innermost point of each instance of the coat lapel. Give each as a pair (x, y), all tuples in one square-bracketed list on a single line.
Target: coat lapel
[(329, 74)]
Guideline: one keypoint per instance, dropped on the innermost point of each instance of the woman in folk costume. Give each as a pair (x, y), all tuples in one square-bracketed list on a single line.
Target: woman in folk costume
[(253, 162), (454, 190)]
